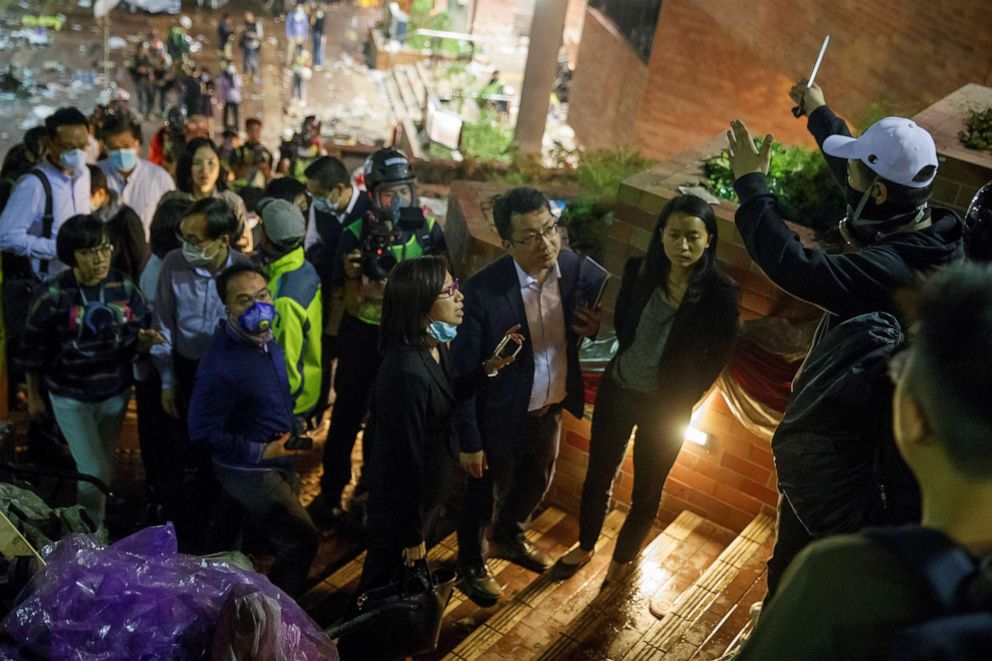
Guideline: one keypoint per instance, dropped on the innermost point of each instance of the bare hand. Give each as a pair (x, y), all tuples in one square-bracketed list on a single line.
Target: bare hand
[(474, 463), (494, 362), (147, 338), (169, 402), (353, 264), (586, 322), (413, 553), (807, 98), (745, 158), (276, 448)]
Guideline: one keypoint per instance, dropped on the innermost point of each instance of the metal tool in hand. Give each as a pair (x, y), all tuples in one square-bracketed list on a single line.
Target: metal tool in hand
[(800, 110)]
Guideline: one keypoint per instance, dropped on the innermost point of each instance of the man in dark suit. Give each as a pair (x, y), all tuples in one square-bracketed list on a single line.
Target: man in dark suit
[(513, 424)]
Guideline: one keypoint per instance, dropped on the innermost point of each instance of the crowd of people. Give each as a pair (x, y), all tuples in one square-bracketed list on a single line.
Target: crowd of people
[(225, 284)]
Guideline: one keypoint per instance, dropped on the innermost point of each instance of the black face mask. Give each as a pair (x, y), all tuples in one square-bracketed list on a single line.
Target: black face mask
[(868, 221)]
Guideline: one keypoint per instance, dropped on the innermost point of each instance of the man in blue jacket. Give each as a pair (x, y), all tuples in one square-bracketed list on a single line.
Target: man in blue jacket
[(242, 411)]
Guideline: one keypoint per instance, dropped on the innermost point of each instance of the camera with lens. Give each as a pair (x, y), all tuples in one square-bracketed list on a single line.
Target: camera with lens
[(384, 231)]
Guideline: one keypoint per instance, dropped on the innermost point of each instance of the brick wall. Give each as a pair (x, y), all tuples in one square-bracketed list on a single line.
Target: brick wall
[(605, 99), (715, 60)]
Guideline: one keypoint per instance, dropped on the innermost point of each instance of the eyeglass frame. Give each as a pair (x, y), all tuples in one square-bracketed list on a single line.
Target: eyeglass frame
[(450, 290), (102, 250), (548, 233), (263, 295)]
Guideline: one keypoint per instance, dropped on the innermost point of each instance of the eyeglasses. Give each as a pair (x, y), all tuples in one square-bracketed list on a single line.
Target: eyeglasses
[(450, 290), (261, 296), (104, 250), (531, 238), (191, 240)]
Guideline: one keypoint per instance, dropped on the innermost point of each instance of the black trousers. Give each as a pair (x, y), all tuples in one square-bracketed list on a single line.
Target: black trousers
[(513, 487), (233, 110), (199, 487), (270, 499), (791, 537), (358, 364), (161, 447), (656, 446)]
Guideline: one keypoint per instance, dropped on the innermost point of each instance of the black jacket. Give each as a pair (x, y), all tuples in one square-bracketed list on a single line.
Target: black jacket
[(323, 254), (849, 284), (411, 459), (493, 303), (702, 338)]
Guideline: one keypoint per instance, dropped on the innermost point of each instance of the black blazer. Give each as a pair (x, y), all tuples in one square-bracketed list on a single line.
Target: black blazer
[(493, 303), (411, 458), (323, 254), (702, 338)]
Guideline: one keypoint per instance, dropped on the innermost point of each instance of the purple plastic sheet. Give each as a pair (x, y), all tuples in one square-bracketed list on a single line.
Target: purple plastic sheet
[(140, 599)]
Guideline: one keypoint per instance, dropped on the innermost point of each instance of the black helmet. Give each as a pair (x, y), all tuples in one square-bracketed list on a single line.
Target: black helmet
[(387, 166), (176, 117), (978, 226)]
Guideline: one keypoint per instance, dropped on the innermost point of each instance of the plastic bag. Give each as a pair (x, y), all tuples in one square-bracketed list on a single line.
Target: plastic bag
[(140, 599)]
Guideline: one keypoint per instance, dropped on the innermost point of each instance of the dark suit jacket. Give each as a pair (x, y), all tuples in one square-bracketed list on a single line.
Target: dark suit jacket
[(329, 228), (411, 458), (491, 420), (701, 341)]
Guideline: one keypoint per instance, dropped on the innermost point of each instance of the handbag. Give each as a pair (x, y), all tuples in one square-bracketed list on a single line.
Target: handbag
[(19, 281), (400, 619)]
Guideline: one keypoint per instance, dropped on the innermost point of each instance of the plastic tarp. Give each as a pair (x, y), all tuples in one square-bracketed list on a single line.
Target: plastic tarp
[(140, 599)]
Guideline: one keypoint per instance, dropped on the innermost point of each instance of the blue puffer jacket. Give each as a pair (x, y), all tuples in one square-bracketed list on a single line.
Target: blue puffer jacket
[(241, 401)]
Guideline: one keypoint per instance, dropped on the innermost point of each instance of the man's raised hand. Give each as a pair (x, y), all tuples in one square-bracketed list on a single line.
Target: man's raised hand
[(745, 158)]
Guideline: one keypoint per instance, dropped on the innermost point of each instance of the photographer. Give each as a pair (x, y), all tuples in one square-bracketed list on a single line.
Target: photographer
[(242, 411), (368, 249)]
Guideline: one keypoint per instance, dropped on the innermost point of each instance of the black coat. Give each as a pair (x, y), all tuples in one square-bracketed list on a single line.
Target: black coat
[(491, 421), (411, 457), (702, 338), (323, 254), (849, 284)]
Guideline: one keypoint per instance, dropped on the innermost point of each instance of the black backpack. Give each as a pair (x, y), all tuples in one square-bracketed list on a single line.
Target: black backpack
[(835, 453), (960, 587)]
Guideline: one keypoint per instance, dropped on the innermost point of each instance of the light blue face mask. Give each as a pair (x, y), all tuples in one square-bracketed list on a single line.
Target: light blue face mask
[(442, 331), (73, 159), (123, 160)]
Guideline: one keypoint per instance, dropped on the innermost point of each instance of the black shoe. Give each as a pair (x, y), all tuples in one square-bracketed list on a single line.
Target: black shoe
[(523, 553), (324, 514), (479, 584), (564, 569)]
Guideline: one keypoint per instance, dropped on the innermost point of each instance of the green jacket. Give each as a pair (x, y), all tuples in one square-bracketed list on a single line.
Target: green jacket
[(295, 288)]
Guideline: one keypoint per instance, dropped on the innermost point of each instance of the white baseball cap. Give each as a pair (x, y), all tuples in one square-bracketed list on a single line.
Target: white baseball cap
[(895, 148)]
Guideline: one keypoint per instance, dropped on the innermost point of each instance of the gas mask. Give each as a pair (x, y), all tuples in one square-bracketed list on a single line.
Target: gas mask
[(868, 222), (257, 319)]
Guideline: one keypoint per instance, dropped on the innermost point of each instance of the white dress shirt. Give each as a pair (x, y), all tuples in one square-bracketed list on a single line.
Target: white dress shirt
[(142, 190), (546, 323), (21, 221)]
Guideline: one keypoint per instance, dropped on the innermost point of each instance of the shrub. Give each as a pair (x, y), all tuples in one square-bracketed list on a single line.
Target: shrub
[(977, 133), (807, 194)]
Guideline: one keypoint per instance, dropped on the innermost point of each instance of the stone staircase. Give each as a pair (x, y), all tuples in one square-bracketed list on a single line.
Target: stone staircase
[(406, 87), (688, 598)]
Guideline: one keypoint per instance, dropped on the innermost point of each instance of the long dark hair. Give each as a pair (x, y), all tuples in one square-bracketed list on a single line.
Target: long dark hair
[(184, 168), (656, 267), (411, 290)]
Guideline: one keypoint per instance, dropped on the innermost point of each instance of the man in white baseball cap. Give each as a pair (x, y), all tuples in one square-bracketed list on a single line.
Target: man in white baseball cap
[(893, 236)]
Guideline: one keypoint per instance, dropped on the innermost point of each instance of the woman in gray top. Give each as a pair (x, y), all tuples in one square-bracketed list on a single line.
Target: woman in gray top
[(676, 322)]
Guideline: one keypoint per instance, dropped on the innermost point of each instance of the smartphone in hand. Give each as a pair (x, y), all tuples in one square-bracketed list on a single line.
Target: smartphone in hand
[(508, 347)]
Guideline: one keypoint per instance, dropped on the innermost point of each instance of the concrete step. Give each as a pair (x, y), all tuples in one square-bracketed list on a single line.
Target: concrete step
[(617, 618), (543, 595), (676, 635), (408, 93)]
